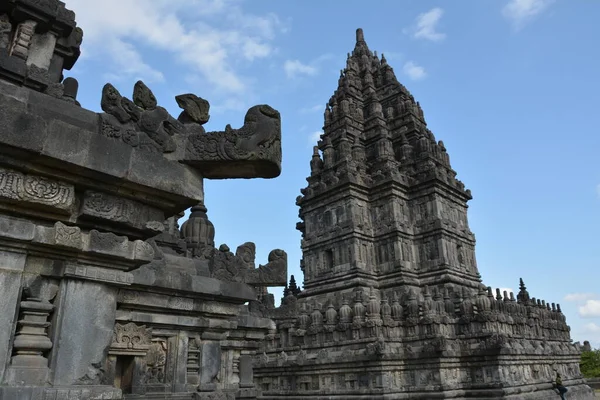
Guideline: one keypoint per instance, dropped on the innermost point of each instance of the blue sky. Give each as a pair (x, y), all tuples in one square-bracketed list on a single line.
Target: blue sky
[(510, 86)]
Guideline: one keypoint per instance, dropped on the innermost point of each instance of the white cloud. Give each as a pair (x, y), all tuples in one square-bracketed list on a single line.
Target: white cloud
[(579, 297), (591, 328), (414, 71), (314, 137), (427, 24), (294, 68), (591, 308), (130, 63), (519, 12), (508, 291), (207, 36)]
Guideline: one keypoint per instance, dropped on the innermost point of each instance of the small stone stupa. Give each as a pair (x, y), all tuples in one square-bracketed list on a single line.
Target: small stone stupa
[(393, 305)]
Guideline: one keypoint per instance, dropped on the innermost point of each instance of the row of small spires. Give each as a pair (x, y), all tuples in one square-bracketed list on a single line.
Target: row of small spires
[(522, 298)]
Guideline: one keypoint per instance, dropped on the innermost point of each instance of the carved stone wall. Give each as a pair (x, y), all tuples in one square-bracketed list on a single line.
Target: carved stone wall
[(101, 295)]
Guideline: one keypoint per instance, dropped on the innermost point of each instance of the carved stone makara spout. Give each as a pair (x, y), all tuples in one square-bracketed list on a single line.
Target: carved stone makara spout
[(252, 151)]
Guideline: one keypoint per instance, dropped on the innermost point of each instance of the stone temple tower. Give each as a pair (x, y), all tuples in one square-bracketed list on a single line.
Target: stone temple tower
[(393, 305), (382, 206)]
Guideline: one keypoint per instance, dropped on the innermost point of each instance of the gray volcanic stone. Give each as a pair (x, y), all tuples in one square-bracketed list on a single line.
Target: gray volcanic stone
[(393, 304), (195, 109), (102, 295)]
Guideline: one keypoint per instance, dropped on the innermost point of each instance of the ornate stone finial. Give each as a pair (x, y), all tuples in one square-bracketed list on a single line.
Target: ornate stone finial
[(498, 295), (523, 295), (293, 286), (195, 109), (71, 88), (360, 37), (143, 96), (198, 230)]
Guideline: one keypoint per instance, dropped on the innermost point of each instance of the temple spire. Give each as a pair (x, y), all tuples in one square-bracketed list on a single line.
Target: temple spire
[(360, 37), (361, 47)]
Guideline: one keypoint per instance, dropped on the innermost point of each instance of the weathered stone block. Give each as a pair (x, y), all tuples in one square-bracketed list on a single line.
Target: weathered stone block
[(11, 267), (16, 228), (210, 362), (79, 351)]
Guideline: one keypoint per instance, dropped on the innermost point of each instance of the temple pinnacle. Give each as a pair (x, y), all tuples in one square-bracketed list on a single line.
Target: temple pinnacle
[(360, 37)]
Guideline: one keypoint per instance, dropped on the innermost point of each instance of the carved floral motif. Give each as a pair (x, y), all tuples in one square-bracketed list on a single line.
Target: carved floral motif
[(35, 189), (131, 337)]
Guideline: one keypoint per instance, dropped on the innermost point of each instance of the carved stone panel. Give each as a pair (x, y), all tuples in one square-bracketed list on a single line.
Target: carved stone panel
[(98, 274), (18, 187), (123, 211), (131, 339), (156, 361)]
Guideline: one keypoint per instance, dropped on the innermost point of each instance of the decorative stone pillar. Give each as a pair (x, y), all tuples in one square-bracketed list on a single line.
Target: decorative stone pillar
[(193, 362), (22, 39), (29, 366)]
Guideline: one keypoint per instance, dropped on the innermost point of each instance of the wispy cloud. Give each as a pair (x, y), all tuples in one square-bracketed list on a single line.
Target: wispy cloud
[(414, 71), (209, 37), (579, 297), (591, 308), (520, 12), (427, 24), (295, 68)]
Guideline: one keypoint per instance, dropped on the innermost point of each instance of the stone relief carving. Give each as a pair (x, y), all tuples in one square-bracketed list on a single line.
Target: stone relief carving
[(138, 123), (34, 189), (226, 266), (156, 360), (68, 236), (272, 273), (259, 139), (131, 337), (118, 209), (98, 274), (143, 124)]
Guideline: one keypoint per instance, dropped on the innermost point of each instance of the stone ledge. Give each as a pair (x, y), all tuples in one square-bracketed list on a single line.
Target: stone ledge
[(72, 242), (66, 137)]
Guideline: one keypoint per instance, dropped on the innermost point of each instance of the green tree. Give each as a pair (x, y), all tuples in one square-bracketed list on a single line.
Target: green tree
[(590, 363)]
